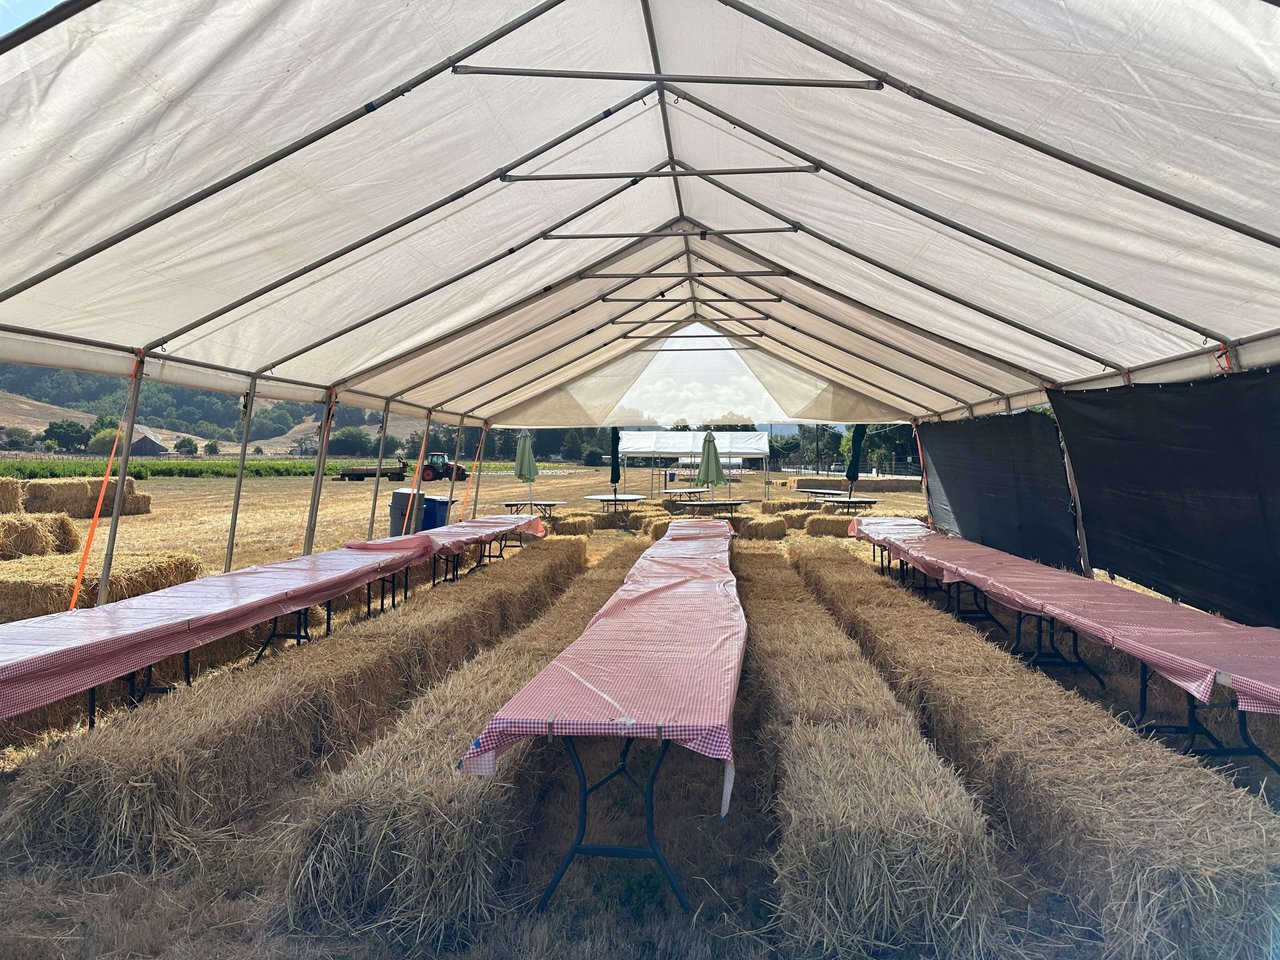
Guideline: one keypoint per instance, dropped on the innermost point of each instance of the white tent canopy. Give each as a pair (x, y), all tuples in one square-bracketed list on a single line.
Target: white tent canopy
[(688, 443), (313, 198)]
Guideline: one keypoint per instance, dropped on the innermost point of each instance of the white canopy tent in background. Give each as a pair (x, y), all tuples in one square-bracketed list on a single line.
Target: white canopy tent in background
[(685, 446), (520, 214)]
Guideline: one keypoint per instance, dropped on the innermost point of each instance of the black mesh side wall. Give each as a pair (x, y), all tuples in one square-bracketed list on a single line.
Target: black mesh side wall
[(1001, 481), (1180, 487)]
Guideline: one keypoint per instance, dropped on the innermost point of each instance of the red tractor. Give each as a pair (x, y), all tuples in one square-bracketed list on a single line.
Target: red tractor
[(436, 467)]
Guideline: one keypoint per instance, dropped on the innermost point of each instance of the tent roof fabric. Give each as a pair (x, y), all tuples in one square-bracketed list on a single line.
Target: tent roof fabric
[(308, 198)]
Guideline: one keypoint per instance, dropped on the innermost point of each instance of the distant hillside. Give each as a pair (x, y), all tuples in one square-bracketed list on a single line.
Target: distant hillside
[(201, 413)]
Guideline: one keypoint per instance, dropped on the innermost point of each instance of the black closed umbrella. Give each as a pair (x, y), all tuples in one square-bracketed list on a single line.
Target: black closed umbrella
[(615, 462), (856, 436)]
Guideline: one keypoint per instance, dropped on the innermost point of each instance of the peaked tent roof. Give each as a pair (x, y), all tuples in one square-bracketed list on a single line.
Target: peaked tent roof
[(315, 196)]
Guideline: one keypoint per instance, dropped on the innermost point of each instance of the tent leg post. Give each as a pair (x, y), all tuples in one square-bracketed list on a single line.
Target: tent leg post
[(117, 503), (317, 481), (1075, 498), (453, 474), (475, 504), (244, 449), (377, 477)]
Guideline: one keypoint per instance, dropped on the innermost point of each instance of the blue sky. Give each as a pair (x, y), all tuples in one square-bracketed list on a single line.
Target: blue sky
[(14, 13)]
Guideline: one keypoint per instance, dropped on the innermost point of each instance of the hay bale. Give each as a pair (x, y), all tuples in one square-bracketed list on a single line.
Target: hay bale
[(36, 534), (78, 497), (149, 785), (35, 586), (573, 526), (782, 506), (1167, 858), (760, 528), (879, 846), (657, 529), (822, 525), (403, 844), (796, 519), (10, 495)]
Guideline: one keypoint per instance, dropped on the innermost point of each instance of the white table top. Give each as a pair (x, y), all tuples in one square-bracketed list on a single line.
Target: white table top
[(615, 497)]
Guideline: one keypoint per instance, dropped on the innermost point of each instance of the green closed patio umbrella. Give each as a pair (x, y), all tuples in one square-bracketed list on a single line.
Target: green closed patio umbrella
[(710, 473), (526, 466), (856, 436)]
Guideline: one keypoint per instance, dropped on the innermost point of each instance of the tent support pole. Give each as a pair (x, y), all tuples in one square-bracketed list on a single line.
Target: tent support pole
[(1075, 497), (918, 282), (333, 126), (484, 435), (410, 520), (1000, 129), (117, 502), (317, 481), (317, 478), (244, 450), (957, 226), (377, 476), (453, 474)]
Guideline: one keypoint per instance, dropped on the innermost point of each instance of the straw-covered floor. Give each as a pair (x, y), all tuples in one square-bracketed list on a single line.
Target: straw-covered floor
[(148, 786), (880, 845), (1166, 857), (402, 844), (35, 586)]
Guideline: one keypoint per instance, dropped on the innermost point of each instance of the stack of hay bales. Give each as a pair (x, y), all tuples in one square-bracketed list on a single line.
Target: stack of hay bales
[(824, 525), (1167, 857), (36, 534), (764, 528), (78, 497), (880, 847), (10, 495), (145, 788), (782, 506), (656, 528), (403, 844), (35, 586), (796, 519)]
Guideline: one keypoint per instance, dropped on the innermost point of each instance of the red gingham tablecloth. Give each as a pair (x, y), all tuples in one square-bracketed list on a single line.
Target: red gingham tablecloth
[(660, 660), (1188, 647), (456, 537), (44, 659)]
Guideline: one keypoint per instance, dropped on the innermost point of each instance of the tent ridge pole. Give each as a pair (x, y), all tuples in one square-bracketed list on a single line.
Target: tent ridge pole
[(249, 398), (399, 224), (1000, 129), (117, 502), (231, 179), (436, 287), (924, 284), (957, 226)]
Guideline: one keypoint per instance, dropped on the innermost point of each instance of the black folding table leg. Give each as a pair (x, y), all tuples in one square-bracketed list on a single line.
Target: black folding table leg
[(93, 707), (186, 667)]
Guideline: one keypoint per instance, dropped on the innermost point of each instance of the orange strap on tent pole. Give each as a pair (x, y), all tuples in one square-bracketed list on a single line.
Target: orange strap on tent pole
[(417, 474), (97, 510), (475, 467)]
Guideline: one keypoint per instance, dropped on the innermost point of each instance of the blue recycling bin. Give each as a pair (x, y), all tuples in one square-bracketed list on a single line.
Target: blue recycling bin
[(671, 476), (432, 512)]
